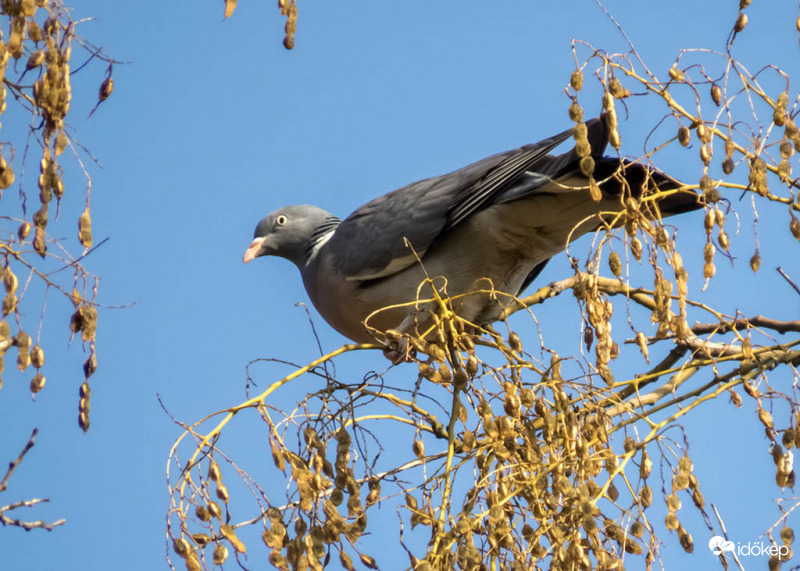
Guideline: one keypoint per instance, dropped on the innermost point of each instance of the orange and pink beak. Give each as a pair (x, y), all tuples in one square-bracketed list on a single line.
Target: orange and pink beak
[(252, 250)]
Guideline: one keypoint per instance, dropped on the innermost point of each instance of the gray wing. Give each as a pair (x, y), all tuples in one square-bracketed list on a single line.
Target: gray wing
[(373, 242)]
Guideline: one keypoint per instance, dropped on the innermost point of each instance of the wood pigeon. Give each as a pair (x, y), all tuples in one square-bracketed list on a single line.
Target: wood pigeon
[(487, 228)]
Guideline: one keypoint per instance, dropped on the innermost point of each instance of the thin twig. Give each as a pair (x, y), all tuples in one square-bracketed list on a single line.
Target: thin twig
[(788, 279)]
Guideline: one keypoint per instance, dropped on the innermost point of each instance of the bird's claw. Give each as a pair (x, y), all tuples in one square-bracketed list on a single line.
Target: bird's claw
[(398, 350)]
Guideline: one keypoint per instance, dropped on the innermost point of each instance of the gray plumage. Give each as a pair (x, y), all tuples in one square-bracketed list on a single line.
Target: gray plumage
[(492, 224)]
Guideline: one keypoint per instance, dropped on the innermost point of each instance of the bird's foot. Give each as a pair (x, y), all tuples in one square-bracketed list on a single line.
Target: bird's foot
[(398, 348)]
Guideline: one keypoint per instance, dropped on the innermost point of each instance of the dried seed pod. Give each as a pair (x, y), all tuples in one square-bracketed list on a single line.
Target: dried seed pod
[(460, 380), (680, 481), (576, 112), (192, 562), (787, 535), (716, 94), (514, 342), (23, 231), (672, 521), (741, 22), (471, 366), (6, 174), (789, 438), (777, 454), (23, 340), (23, 359), (88, 322), (37, 383), (37, 357), (724, 240), (428, 372), (785, 170), (728, 165), (582, 148), (85, 229), (646, 496), (703, 133), (791, 131), (34, 31), (594, 190), (614, 140), (684, 136), (676, 74), (615, 264), (687, 542), (213, 472), (418, 448), (10, 281), (646, 465), (636, 249), (637, 529), (697, 498), (587, 166), (181, 547), (576, 80), (9, 304), (220, 554), (794, 227), (662, 237), (229, 533), (710, 190), (58, 147), (76, 322), (706, 152), (83, 421), (730, 147), (512, 405), (641, 341), (436, 352), (766, 418), (750, 389), (202, 513), (787, 149), (779, 116), (214, 509), (222, 492), (106, 88), (35, 60), (616, 89), (719, 216)]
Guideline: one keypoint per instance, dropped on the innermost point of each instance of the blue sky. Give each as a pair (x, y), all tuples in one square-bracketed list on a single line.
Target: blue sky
[(213, 124)]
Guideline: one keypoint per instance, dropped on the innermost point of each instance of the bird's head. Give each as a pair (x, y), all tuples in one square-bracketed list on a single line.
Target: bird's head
[(288, 232)]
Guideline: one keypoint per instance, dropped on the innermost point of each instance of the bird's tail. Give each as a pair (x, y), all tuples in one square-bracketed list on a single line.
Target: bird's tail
[(621, 177)]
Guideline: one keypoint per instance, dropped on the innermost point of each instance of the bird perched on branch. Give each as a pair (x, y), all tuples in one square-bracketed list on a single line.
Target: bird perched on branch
[(482, 233)]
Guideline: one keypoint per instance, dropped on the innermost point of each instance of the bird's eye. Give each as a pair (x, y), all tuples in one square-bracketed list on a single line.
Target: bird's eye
[(281, 220)]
